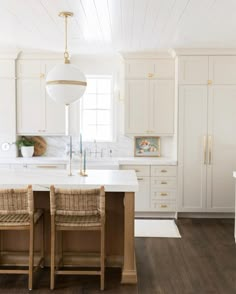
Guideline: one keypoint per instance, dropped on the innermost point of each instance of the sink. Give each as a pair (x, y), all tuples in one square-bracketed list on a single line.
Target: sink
[(100, 163)]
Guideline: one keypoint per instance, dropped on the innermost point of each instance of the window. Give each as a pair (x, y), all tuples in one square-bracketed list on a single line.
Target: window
[(96, 109)]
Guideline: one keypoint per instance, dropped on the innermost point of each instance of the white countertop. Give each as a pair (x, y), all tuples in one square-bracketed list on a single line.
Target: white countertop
[(113, 180), (108, 160)]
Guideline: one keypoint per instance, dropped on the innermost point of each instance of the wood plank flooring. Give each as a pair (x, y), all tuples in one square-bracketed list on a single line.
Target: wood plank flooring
[(203, 261)]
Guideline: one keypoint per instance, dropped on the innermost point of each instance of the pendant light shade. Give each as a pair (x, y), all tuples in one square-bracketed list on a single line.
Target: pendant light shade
[(65, 83)]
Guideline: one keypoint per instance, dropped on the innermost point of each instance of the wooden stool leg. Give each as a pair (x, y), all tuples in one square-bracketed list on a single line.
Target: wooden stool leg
[(42, 240), (102, 277), (52, 279), (31, 253)]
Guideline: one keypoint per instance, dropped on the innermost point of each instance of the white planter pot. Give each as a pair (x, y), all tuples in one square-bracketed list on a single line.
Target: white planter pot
[(27, 151)]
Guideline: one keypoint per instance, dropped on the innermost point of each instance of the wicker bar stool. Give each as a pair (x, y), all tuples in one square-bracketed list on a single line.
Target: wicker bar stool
[(74, 209), (17, 213)]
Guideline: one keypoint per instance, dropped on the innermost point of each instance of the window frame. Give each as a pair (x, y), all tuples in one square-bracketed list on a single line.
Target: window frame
[(112, 108)]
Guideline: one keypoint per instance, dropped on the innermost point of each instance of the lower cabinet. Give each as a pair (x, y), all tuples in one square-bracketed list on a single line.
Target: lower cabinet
[(157, 188)]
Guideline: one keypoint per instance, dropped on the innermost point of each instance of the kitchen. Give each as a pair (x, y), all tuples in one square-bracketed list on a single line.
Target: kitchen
[(154, 126)]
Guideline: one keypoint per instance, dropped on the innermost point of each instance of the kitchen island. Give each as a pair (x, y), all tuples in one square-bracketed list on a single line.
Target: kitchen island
[(120, 187), (234, 175)]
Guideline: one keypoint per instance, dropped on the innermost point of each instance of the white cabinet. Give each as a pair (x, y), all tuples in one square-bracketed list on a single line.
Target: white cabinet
[(149, 97), (36, 112), (142, 197), (7, 105), (193, 70), (146, 68), (149, 107), (207, 145), (157, 188), (137, 106), (222, 70), (192, 150)]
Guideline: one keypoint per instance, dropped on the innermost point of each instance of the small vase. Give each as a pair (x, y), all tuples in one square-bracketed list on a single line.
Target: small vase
[(27, 151)]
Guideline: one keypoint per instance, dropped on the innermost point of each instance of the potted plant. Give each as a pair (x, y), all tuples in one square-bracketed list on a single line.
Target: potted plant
[(26, 146)]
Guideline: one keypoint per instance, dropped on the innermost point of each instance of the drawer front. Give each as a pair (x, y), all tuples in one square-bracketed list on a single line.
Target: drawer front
[(163, 171), (163, 195), (163, 206), (141, 170), (164, 183)]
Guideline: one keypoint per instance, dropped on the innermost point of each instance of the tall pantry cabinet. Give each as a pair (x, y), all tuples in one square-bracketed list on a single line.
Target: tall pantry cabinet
[(206, 132)]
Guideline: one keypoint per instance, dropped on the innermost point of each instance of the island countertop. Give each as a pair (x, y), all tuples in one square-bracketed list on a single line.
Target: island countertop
[(112, 180)]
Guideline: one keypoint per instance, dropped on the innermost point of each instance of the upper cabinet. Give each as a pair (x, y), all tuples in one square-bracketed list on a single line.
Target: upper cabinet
[(207, 70), (193, 70), (222, 70), (149, 96), (37, 113), (146, 69)]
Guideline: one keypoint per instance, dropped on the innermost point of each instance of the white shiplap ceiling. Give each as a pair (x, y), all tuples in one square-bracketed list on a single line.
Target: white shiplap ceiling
[(102, 26)]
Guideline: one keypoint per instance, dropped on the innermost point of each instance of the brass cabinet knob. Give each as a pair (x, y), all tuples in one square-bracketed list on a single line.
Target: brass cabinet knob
[(150, 75), (209, 82)]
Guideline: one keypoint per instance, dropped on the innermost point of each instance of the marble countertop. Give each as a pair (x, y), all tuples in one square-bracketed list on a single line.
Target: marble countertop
[(108, 160), (112, 180)]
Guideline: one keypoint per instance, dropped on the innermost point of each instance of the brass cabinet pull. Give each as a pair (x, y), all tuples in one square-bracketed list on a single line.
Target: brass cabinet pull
[(150, 75), (42, 76), (163, 194), (205, 149), (140, 179), (46, 166), (163, 183), (163, 206), (137, 170), (163, 171), (210, 149)]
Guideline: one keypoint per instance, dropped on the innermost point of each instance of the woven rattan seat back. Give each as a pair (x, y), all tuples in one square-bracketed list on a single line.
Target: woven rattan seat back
[(77, 202), (16, 201)]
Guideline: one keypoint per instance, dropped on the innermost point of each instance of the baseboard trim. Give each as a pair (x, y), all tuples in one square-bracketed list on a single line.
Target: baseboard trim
[(206, 215)]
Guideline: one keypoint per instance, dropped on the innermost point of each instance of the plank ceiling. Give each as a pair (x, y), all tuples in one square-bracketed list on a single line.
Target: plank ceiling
[(102, 26)]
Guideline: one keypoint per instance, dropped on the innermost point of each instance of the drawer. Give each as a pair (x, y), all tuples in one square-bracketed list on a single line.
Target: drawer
[(163, 171), (163, 183), (163, 195), (141, 170), (163, 205)]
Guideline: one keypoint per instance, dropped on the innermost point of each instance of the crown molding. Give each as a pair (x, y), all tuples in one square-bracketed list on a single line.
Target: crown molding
[(147, 55), (202, 51)]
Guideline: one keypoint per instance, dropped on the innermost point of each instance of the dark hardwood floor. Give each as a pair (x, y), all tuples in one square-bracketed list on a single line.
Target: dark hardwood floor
[(203, 261)]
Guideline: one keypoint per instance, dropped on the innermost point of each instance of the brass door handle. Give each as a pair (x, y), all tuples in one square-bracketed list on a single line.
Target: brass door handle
[(209, 149)]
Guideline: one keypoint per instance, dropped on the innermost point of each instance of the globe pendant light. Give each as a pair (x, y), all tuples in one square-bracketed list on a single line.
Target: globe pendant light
[(65, 83)]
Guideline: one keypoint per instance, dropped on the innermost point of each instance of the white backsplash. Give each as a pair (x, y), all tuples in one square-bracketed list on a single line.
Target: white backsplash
[(123, 147)]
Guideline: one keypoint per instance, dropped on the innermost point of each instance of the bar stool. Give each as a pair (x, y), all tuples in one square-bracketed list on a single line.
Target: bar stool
[(74, 209), (17, 213)]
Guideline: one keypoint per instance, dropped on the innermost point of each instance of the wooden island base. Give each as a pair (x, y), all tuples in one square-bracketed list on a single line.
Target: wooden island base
[(79, 248)]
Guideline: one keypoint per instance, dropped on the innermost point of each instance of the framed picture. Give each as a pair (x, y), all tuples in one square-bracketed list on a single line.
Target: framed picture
[(147, 146)]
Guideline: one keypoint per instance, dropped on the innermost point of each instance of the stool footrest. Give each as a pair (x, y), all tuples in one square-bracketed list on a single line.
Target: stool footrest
[(77, 272)]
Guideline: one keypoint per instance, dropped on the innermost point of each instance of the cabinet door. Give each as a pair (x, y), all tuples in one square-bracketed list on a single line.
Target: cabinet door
[(137, 107), (222, 160), (30, 106), (222, 70), (191, 155), (7, 108), (164, 69), (193, 70), (138, 69), (54, 112), (162, 107), (142, 197)]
